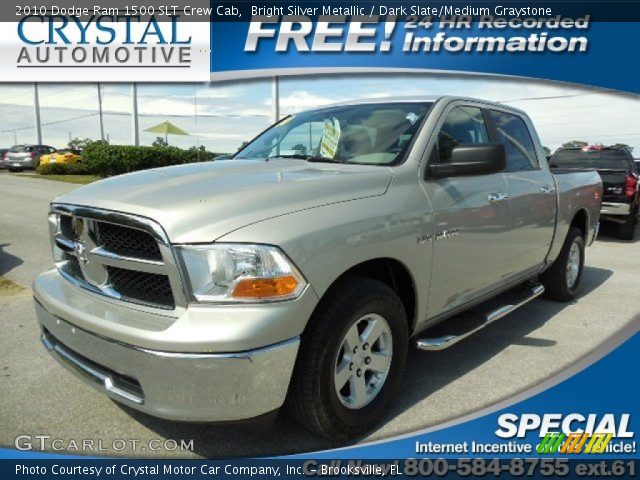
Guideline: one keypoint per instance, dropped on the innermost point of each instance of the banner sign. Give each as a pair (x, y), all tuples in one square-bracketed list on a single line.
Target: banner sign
[(562, 41), (549, 46), (579, 422)]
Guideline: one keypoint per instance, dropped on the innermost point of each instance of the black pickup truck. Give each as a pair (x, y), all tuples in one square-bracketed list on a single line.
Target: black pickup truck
[(619, 173)]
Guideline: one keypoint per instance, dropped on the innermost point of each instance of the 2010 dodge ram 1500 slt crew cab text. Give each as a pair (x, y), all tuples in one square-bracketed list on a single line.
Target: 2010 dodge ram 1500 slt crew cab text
[(299, 272)]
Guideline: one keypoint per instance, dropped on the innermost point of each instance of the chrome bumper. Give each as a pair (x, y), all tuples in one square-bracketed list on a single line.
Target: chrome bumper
[(178, 386), (610, 208)]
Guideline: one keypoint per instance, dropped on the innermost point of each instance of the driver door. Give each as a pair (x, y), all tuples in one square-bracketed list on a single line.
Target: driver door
[(471, 219)]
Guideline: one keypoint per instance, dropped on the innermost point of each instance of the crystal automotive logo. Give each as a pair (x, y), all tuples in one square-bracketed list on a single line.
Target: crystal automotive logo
[(102, 41), (572, 433)]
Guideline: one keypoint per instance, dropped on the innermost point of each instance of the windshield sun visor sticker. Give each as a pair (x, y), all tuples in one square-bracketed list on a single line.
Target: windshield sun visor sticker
[(330, 137)]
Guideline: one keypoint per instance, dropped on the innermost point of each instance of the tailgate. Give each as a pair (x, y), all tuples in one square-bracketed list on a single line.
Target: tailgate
[(613, 185)]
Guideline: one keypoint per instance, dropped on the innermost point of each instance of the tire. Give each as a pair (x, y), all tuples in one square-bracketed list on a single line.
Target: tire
[(314, 399), (627, 230), (556, 280)]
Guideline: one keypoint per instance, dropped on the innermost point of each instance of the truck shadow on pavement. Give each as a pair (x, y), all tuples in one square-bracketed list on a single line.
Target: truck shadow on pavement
[(427, 372), (8, 261)]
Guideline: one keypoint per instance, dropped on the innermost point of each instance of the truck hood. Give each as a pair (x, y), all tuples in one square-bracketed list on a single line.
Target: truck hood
[(203, 201)]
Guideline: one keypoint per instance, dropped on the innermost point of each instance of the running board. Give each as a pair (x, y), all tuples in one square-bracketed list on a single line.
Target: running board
[(466, 324)]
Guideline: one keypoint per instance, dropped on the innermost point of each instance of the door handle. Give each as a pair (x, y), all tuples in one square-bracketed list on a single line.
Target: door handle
[(546, 189), (497, 197)]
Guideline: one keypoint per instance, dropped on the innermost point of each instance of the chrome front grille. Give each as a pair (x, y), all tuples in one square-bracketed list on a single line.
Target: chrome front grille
[(116, 255), (145, 287), (128, 242)]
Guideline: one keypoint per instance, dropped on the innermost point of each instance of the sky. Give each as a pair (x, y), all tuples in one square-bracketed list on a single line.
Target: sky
[(232, 112)]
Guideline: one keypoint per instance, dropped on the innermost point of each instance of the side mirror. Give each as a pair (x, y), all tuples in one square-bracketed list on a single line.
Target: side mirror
[(472, 159)]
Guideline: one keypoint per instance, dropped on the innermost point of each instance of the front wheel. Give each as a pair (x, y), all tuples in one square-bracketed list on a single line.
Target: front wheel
[(562, 279), (351, 359)]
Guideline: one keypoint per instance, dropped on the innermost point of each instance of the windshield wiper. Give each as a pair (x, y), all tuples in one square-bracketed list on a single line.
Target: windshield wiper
[(309, 158)]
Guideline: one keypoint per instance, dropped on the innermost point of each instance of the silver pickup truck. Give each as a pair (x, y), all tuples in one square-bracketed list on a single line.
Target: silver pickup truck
[(299, 272)]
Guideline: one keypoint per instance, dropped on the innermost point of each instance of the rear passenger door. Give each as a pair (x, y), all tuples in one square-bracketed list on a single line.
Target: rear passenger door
[(532, 196)]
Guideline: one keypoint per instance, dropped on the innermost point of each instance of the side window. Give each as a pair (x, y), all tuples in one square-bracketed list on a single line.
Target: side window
[(514, 134), (462, 126)]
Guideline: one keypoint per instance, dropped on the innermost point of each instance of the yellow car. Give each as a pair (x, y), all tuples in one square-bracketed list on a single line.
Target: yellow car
[(68, 156)]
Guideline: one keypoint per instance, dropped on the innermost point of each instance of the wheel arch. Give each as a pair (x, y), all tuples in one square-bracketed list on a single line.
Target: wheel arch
[(581, 221), (393, 273)]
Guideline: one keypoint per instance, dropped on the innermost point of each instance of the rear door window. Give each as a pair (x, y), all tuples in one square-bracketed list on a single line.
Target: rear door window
[(462, 126), (514, 134)]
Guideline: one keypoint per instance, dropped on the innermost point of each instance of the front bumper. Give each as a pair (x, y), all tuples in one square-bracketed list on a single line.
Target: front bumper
[(611, 208), (208, 387)]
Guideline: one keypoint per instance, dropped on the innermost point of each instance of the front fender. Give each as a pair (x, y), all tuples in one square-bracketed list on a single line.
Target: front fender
[(325, 242)]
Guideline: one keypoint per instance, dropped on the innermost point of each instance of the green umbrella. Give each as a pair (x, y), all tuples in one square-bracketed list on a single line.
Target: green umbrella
[(166, 128)]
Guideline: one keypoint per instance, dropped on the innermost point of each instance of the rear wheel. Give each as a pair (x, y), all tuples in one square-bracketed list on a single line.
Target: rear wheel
[(351, 359), (562, 279), (627, 230)]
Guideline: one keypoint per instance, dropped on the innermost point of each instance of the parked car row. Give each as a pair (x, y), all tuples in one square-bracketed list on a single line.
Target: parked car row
[(30, 156)]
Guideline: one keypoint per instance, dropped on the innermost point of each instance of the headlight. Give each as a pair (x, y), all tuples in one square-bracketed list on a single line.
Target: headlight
[(240, 273)]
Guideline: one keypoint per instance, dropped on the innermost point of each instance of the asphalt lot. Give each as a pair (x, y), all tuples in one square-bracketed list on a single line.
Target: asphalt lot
[(38, 397)]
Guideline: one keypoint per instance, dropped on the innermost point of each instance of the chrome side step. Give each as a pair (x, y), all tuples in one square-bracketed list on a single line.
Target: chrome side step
[(469, 323)]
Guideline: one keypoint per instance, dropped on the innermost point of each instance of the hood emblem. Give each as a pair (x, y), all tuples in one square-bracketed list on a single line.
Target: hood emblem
[(80, 252)]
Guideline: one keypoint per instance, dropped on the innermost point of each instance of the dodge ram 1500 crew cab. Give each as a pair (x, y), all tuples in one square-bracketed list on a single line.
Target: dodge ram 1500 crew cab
[(299, 272)]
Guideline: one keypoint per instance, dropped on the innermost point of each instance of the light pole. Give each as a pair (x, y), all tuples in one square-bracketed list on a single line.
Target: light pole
[(195, 113), (100, 111), (36, 112), (135, 131), (275, 98)]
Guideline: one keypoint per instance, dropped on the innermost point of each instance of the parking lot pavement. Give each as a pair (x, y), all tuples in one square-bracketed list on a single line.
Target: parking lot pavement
[(543, 338)]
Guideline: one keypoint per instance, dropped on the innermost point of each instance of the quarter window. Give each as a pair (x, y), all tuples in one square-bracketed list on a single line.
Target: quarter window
[(514, 134), (462, 126)]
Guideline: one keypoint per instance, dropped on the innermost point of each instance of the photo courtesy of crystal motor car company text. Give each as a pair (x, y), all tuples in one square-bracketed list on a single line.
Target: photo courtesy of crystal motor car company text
[(280, 233)]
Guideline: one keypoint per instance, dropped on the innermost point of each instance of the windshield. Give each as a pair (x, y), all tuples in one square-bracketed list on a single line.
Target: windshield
[(373, 134), (605, 159)]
